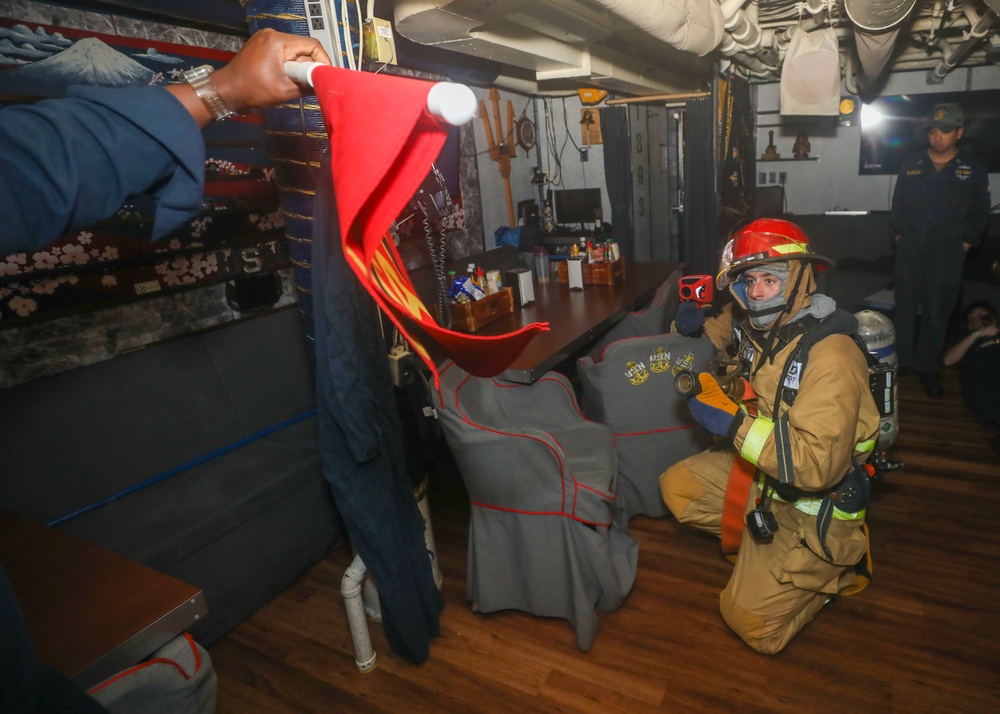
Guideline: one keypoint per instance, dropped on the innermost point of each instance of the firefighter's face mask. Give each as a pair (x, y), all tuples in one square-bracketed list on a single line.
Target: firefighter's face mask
[(762, 291)]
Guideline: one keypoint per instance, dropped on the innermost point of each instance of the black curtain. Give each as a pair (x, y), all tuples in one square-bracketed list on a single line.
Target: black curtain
[(701, 245), (618, 176), (737, 179)]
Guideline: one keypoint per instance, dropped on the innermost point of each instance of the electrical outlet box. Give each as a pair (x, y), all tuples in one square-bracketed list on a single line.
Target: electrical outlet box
[(584, 155), (380, 46), (322, 23), (761, 178), (772, 177), (401, 367), (783, 177)]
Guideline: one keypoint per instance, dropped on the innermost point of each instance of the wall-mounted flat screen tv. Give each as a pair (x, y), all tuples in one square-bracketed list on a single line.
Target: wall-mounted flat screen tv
[(893, 127)]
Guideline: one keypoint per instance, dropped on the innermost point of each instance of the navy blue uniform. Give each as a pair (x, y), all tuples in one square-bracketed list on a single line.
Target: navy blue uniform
[(933, 213), (73, 161)]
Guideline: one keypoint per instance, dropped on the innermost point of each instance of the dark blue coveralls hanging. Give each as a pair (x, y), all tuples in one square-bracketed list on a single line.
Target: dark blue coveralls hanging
[(361, 441)]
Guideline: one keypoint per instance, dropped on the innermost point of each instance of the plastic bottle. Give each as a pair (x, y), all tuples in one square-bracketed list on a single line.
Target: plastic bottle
[(541, 264)]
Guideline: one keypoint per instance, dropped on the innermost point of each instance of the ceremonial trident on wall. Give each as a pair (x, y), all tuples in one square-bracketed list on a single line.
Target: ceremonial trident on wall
[(501, 152)]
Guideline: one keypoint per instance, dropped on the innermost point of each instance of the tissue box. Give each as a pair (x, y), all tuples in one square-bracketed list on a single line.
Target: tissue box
[(472, 316), (594, 273)]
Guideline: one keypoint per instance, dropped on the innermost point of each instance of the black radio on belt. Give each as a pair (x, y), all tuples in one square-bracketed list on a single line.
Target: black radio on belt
[(762, 525)]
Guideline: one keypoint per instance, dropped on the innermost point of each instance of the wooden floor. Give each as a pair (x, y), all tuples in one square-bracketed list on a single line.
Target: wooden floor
[(924, 637)]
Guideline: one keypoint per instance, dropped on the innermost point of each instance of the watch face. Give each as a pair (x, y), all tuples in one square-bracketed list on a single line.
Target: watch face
[(198, 73), (525, 131)]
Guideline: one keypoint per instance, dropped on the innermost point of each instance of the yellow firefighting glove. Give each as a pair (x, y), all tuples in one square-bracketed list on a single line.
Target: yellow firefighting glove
[(711, 408)]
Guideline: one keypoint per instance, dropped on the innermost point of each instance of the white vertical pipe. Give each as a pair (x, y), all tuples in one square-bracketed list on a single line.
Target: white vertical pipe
[(425, 511), (350, 589)]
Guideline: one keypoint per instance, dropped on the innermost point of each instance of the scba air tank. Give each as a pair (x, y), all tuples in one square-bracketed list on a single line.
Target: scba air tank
[(880, 338)]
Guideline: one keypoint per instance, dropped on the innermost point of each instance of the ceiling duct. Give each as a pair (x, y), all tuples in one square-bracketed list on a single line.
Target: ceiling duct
[(876, 27), (877, 15), (687, 25), (563, 41)]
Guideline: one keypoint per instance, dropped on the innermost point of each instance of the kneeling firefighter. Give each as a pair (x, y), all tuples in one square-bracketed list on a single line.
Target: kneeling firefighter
[(787, 489)]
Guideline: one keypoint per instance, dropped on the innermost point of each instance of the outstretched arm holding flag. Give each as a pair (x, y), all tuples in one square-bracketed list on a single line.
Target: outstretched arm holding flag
[(62, 146)]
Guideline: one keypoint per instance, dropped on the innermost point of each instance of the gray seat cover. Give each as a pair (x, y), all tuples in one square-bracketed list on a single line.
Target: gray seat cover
[(653, 319), (547, 533), (630, 387)]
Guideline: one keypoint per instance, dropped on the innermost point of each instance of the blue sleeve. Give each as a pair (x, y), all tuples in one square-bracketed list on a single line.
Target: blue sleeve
[(73, 161)]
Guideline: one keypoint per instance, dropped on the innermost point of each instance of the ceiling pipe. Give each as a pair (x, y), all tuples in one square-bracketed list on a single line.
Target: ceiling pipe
[(976, 34), (850, 84), (743, 33), (753, 65), (915, 64)]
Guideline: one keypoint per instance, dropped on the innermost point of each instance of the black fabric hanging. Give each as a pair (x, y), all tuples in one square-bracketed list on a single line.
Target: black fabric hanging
[(361, 440), (618, 176), (737, 181), (701, 246)]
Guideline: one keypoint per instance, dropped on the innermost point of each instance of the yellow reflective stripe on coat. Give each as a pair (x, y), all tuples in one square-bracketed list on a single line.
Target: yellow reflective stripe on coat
[(810, 506), (753, 443), (865, 447)]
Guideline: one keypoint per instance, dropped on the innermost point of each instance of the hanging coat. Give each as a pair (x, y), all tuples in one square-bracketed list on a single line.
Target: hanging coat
[(361, 440)]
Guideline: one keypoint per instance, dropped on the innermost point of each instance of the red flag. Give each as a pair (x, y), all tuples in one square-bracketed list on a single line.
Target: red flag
[(383, 142)]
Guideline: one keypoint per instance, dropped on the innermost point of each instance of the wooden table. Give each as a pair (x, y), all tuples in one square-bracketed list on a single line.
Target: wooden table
[(91, 612), (575, 317)]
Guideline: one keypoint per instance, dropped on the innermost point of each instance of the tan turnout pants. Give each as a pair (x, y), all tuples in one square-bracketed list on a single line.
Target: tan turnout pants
[(775, 588)]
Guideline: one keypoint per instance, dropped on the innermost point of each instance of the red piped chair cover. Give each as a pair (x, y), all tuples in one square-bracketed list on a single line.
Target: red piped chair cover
[(630, 387), (547, 534)]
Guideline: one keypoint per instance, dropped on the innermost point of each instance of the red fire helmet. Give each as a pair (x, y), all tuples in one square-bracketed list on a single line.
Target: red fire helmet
[(766, 240)]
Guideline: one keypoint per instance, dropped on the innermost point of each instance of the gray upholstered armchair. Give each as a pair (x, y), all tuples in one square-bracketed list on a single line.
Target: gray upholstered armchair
[(547, 535), (630, 387), (653, 319)]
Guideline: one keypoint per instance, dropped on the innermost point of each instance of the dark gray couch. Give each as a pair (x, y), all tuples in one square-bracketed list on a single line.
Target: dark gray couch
[(861, 248), (235, 403)]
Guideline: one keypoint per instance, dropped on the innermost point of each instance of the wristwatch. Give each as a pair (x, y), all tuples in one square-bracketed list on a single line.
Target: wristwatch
[(200, 80)]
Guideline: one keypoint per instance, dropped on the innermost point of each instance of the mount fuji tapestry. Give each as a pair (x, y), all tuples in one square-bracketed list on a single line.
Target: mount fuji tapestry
[(238, 233)]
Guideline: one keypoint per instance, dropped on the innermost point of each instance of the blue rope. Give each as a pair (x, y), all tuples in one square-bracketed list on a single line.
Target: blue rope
[(183, 467)]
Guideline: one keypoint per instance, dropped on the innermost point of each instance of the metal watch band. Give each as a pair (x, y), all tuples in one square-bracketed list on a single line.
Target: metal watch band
[(200, 80)]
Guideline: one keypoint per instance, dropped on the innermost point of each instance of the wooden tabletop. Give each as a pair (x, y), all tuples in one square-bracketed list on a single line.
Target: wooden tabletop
[(575, 317), (91, 612)]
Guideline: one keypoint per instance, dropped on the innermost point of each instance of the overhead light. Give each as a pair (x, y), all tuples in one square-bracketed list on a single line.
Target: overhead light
[(870, 116)]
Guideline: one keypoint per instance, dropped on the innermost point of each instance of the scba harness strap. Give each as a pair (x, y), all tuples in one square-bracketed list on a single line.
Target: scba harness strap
[(848, 498)]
